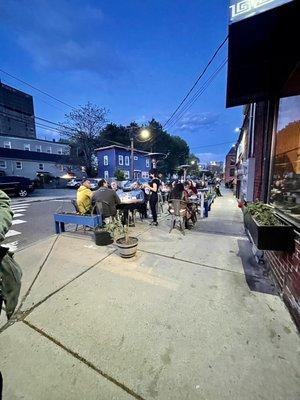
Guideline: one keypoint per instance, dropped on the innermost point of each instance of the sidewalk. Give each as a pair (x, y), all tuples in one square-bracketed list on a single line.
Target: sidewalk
[(191, 317)]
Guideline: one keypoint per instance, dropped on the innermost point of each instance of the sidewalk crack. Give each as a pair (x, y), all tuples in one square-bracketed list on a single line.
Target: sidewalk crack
[(85, 361)]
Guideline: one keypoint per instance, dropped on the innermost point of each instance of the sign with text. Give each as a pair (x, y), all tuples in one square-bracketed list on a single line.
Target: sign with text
[(241, 9)]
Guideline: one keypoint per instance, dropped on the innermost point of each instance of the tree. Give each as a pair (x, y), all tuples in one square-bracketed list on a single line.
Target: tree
[(82, 128)]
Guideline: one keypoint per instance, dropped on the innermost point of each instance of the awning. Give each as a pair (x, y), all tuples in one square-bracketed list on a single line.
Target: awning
[(264, 55)]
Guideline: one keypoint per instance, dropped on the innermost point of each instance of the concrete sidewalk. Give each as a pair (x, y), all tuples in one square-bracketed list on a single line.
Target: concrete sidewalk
[(190, 317)]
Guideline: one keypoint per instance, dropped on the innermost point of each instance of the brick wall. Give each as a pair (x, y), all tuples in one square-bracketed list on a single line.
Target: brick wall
[(286, 268), (259, 137)]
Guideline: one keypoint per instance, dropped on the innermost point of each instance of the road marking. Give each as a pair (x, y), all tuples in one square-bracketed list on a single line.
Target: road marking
[(13, 246), (19, 210), (18, 207), (18, 215), (17, 221), (11, 232)]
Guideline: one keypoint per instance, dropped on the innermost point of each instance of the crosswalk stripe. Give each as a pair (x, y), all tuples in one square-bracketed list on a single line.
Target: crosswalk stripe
[(21, 210), (17, 221), (18, 207), (11, 232), (18, 215), (12, 246)]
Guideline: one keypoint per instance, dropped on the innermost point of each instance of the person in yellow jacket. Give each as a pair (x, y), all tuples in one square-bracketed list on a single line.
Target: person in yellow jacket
[(84, 197)]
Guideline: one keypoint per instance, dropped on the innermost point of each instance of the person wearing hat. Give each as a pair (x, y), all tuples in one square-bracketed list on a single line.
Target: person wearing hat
[(84, 197)]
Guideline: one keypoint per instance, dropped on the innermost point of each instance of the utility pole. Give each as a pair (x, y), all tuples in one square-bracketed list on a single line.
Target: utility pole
[(131, 155)]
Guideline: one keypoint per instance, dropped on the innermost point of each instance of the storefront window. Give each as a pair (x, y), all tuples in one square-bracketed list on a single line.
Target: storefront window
[(285, 188)]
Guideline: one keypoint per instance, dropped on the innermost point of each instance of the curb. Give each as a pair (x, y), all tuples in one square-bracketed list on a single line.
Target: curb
[(41, 200)]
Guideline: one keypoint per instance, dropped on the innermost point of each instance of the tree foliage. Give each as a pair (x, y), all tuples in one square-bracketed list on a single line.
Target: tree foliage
[(82, 127)]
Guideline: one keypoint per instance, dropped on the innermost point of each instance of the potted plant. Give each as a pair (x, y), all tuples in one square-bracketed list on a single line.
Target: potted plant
[(268, 231), (103, 234), (127, 245)]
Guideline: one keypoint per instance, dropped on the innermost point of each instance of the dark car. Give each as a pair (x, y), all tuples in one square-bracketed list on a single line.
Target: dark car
[(16, 185)]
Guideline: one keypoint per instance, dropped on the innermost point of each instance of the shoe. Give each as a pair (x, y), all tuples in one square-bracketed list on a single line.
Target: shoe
[(154, 223)]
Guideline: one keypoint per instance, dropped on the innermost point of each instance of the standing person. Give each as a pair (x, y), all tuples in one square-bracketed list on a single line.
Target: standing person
[(84, 197), (153, 187)]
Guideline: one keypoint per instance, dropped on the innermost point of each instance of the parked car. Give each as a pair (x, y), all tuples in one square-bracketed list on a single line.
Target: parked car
[(74, 183), (16, 185), (129, 184), (94, 183)]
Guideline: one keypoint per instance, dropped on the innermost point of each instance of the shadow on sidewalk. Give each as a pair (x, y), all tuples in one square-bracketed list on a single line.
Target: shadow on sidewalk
[(257, 276)]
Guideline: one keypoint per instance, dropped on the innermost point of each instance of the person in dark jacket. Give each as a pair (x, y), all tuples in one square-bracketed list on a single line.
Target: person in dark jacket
[(109, 196), (153, 187)]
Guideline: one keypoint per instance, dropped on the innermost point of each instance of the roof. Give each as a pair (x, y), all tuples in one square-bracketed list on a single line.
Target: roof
[(34, 156), (36, 139), (121, 147)]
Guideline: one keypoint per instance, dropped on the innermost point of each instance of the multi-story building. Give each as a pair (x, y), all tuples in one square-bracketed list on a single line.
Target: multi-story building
[(230, 168), (16, 113), (216, 167), (113, 158), (21, 153), (264, 75)]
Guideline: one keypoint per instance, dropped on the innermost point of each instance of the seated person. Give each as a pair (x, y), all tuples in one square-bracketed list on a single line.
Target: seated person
[(84, 197), (104, 194), (178, 194), (114, 186)]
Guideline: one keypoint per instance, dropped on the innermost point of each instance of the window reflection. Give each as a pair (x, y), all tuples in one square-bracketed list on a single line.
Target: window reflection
[(285, 189)]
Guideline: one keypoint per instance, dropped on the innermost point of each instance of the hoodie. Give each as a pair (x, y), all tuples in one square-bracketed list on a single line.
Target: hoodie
[(84, 202)]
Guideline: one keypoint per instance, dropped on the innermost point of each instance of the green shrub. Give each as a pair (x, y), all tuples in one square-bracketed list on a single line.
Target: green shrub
[(263, 214)]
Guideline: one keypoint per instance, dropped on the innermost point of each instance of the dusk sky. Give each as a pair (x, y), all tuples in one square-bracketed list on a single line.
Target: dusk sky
[(137, 58)]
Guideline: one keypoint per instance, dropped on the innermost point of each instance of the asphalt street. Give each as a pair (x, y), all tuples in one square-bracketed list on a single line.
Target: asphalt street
[(33, 221)]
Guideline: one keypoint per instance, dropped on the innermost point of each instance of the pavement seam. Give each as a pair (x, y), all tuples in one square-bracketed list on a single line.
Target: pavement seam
[(192, 262), (85, 361), (21, 315)]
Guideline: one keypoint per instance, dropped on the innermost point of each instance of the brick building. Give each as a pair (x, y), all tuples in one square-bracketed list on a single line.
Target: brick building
[(264, 75)]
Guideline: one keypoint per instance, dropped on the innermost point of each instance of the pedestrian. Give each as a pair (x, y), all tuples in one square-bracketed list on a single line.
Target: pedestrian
[(153, 199), (217, 190), (84, 197)]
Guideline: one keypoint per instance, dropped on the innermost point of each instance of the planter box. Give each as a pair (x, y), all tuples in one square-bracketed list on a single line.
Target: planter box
[(276, 237)]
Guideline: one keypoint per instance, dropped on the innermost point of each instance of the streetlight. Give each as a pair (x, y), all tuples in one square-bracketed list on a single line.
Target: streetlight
[(145, 135)]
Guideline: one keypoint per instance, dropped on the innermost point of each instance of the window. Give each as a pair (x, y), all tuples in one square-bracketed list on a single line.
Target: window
[(231, 172), (135, 158), (126, 160), (105, 160), (145, 175), (285, 182), (59, 151), (121, 161), (49, 150), (7, 145), (38, 148), (41, 167), (19, 165), (2, 164), (27, 146), (126, 174), (147, 162), (106, 175), (232, 161)]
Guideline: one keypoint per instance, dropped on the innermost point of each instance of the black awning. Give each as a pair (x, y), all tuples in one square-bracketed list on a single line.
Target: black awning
[(263, 56)]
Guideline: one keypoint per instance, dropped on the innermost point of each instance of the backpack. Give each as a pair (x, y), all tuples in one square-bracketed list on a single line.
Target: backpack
[(10, 281)]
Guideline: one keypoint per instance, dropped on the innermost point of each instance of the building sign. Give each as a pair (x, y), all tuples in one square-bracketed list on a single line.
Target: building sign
[(241, 9)]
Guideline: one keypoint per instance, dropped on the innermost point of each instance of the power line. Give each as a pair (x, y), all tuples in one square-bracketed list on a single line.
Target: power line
[(191, 102), (35, 88), (198, 79), (211, 145)]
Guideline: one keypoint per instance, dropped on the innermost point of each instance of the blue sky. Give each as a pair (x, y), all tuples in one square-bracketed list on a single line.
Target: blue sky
[(137, 58)]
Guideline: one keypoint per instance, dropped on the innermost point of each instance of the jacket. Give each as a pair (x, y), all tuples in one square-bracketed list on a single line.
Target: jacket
[(108, 196), (84, 200), (10, 272)]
